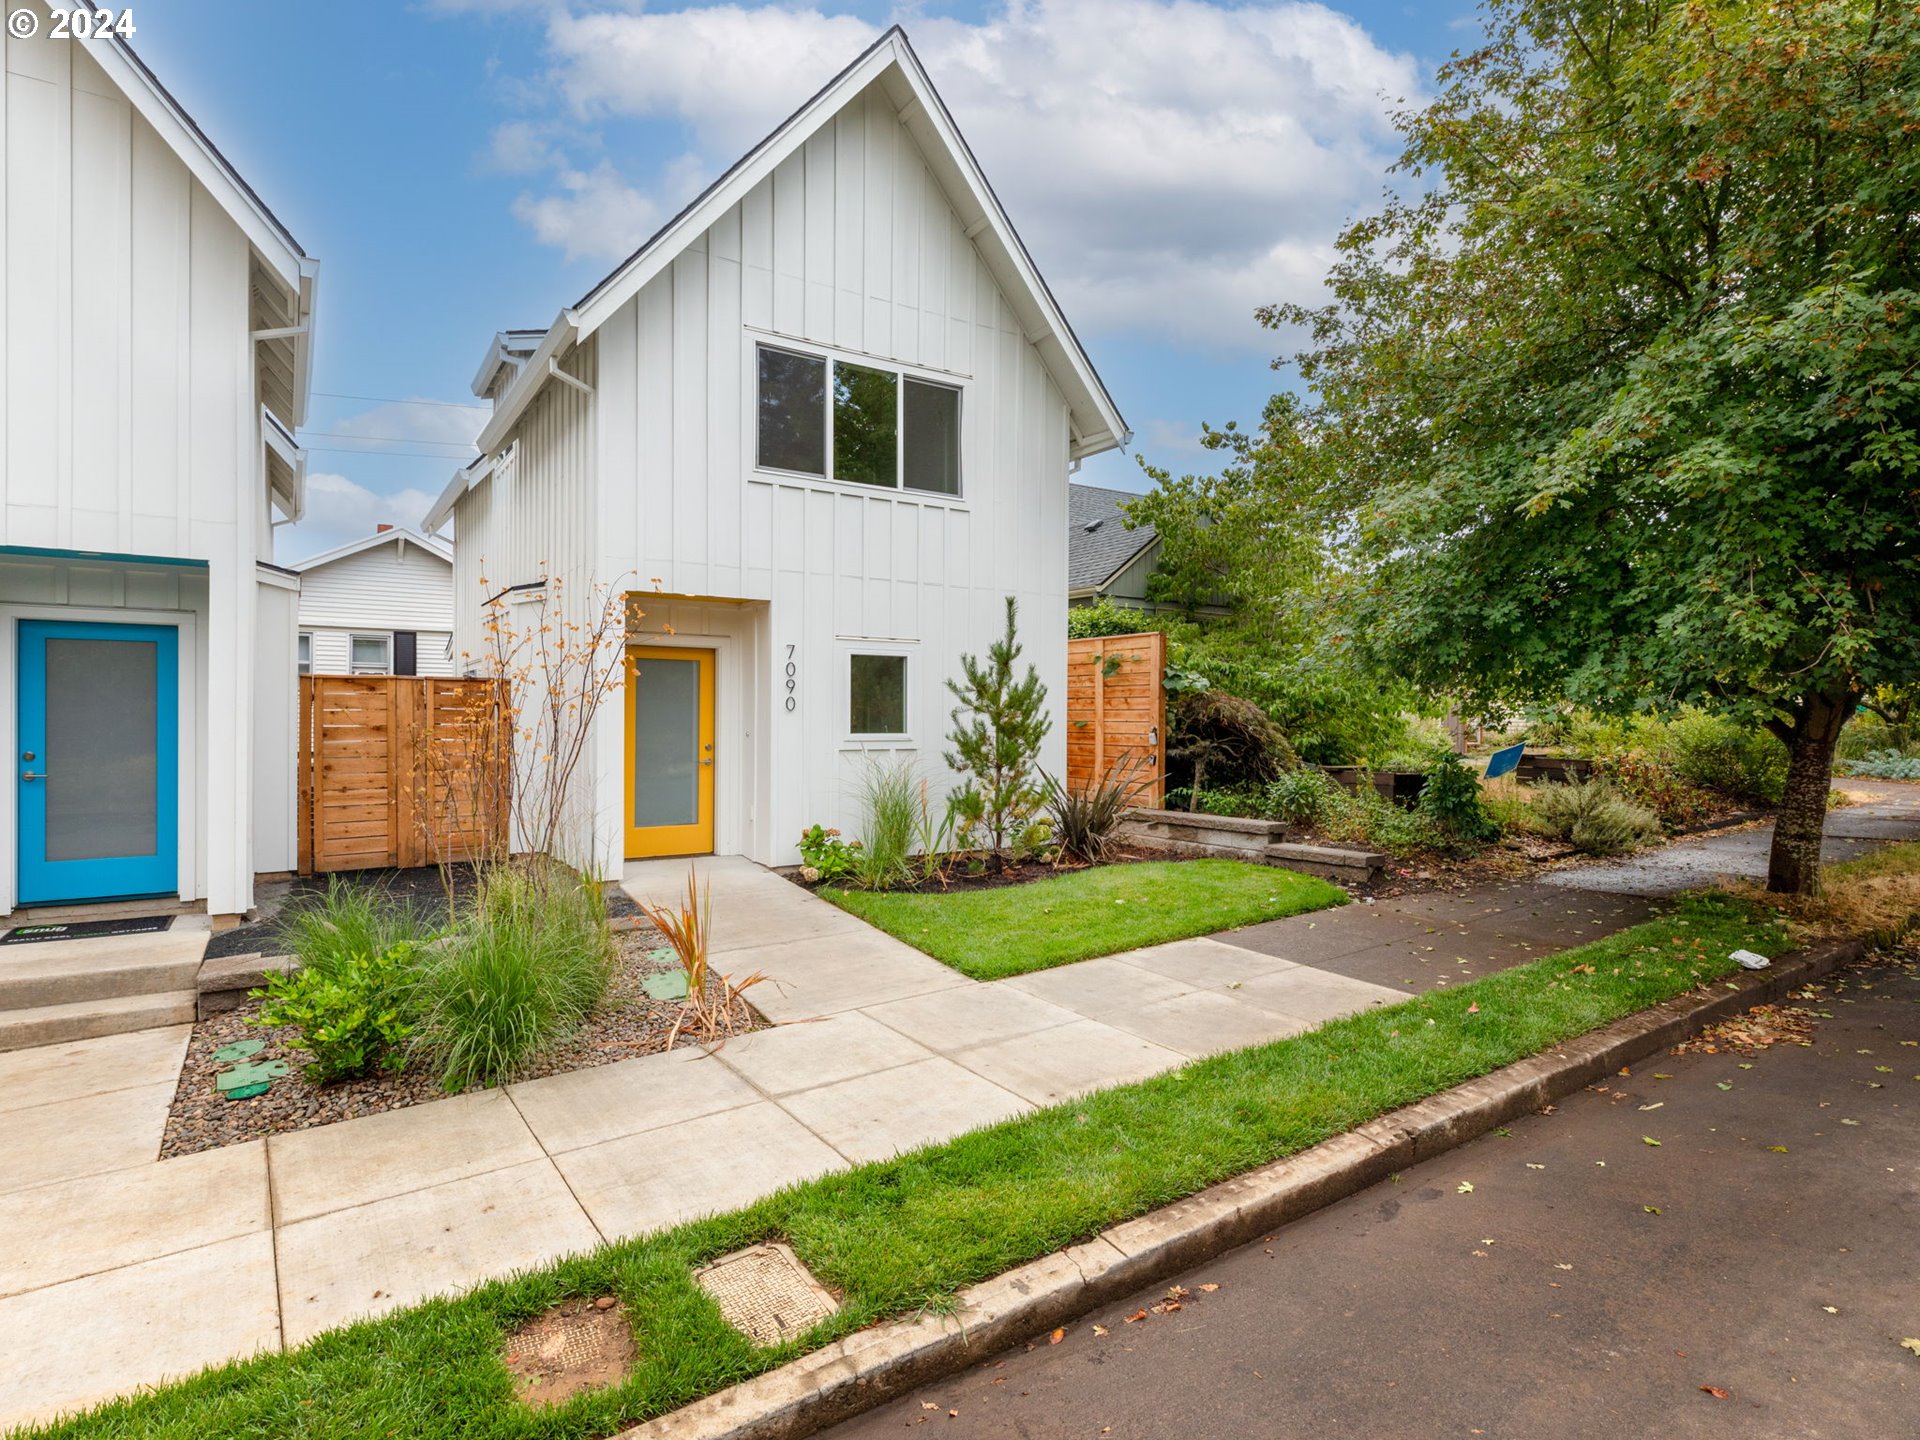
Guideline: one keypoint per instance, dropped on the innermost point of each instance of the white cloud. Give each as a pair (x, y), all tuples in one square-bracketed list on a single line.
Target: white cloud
[(595, 214), (339, 510), (1172, 164)]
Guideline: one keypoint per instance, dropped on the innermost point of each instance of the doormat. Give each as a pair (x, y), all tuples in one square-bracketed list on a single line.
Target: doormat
[(85, 929)]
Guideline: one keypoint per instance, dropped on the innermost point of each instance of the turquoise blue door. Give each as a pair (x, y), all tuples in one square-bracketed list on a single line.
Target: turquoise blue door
[(98, 764)]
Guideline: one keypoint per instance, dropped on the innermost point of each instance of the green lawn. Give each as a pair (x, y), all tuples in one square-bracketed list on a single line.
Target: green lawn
[(906, 1234), (990, 934)]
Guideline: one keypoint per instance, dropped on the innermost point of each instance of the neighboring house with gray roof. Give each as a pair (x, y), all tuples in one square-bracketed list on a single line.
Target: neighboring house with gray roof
[(1104, 557)]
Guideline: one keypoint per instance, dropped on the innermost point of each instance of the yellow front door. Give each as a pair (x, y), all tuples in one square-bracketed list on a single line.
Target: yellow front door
[(669, 751)]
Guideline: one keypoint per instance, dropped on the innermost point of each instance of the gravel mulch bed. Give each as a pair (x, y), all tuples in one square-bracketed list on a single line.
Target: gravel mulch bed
[(629, 1023)]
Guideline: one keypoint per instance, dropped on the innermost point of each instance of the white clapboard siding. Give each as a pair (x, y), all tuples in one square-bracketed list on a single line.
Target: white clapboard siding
[(850, 245)]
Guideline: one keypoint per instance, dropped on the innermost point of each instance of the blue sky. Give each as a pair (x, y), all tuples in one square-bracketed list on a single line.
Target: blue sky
[(459, 166)]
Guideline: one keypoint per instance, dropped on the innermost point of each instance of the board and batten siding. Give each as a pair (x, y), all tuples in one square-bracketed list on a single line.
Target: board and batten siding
[(534, 517), (849, 246), (397, 586), (128, 405)]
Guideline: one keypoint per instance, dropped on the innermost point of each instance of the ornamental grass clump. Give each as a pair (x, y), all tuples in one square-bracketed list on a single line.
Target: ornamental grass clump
[(890, 803), (1594, 817), (520, 973), (1084, 817), (712, 1005)]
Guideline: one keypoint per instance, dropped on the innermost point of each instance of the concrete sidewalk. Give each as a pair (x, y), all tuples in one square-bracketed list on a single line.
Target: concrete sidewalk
[(888, 1050)]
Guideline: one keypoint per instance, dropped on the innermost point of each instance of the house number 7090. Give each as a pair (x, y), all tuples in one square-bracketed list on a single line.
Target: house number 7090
[(793, 680)]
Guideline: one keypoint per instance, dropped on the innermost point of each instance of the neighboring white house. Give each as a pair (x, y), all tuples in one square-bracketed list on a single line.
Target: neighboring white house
[(379, 605), (818, 426), (155, 341)]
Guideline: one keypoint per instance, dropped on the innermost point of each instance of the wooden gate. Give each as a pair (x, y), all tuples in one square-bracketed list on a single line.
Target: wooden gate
[(398, 771), (1117, 706)]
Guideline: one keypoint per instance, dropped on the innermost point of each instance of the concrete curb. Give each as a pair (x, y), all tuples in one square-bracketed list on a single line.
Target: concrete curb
[(867, 1369)]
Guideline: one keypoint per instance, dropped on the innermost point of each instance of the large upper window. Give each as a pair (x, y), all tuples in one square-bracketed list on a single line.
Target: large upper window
[(857, 423)]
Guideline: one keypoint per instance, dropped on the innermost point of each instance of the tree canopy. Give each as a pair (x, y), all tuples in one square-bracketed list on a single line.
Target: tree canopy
[(1624, 406)]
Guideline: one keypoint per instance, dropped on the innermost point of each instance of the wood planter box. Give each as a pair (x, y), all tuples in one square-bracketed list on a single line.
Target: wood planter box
[(1402, 787)]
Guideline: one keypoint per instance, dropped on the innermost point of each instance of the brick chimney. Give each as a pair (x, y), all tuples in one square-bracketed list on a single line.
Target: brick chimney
[(381, 529)]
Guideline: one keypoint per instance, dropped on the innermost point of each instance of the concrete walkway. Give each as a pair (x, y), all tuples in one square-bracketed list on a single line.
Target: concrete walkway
[(891, 1050)]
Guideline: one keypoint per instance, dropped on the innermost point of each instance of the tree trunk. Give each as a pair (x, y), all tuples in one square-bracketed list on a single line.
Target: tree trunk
[(1793, 867)]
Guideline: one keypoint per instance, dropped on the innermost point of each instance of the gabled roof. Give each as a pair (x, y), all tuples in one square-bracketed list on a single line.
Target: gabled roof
[(1099, 544), (398, 534), (288, 324), (890, 61)]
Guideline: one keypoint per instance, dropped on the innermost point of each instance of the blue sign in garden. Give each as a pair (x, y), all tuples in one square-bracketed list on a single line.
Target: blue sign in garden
[(1504, 762)]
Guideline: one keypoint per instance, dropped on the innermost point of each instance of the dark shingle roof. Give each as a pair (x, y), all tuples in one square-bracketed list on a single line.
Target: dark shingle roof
[(1098, 540)]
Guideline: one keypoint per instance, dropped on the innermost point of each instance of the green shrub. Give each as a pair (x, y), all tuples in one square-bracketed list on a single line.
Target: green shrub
[(1884, 765), (890, 807), (1103, 617), (352, 1012), (1710, 750), (1366, 817), (521, 972), (1451, 800), (826, 854), (1243, 804), (1302, 797), (1596, 818), (1510, 805)]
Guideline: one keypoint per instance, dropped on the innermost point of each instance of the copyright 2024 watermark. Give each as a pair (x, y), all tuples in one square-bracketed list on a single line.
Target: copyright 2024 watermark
[(83, 24)]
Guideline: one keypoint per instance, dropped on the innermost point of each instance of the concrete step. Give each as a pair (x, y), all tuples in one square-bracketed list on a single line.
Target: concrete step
[(84, 1020), (46, 980)]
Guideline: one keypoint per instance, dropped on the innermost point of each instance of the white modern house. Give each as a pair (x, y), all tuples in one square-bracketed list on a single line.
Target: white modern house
[(817, 427), (379, 605), (155, 325)]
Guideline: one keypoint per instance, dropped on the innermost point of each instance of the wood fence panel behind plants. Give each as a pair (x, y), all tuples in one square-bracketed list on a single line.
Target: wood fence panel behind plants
[(1117, 706), (398, 771)]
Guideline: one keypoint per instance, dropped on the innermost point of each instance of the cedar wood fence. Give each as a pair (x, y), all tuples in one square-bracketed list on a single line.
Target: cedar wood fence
[(399, 771), (1117, 706)]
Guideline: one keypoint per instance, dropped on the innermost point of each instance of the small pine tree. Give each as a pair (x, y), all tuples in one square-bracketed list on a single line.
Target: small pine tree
[(997, 730)]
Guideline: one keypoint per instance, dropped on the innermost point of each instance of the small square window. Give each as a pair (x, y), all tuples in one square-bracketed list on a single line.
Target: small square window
[(932, 451), (793, 411), (878, 695), (370, 655), (866, 424)]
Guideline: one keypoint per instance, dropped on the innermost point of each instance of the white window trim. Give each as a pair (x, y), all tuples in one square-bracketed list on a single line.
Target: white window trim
[(303, 653), (386, 640), (899, 490), (906, 739)]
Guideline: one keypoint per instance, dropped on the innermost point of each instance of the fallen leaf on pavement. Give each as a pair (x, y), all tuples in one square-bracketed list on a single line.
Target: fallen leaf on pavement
[(1209, 1289), (928, 1405), (1136, 1315), (1654, 1106), (1911, 1344), (1849, 1122), (1532, 1166), (1167, 1307), (1831, 1309), (1649, 1140), (1651, 1209), (1723, 1084), (1559, 1266), (1778, 1149), (1715, 1391), (1101, 1330), (1464, 1188), (1057, 1336)]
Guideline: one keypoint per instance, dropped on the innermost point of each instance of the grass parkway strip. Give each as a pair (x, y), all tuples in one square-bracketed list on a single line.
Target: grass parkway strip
[(1016, 929), (904, 1235)]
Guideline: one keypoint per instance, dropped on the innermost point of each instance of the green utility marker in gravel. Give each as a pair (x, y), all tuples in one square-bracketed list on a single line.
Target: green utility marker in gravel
[(667, 985), (239, 1050), (244, 1075)]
